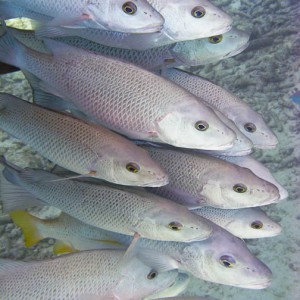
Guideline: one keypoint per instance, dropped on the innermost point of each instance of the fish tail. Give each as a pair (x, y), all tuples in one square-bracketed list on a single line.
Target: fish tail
[(29, 226), (10, 49), (12, 196)]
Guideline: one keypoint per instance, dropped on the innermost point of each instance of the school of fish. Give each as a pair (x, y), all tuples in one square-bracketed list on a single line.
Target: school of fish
[(153, 176)]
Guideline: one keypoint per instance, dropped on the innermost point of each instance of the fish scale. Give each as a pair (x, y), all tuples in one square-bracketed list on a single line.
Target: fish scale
[(121, 96), (84, 274), (76, 145), (108, 206), (196, 180), (83, 201)]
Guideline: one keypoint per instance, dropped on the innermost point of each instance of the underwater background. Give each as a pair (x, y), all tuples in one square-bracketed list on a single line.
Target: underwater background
[(266, 75)]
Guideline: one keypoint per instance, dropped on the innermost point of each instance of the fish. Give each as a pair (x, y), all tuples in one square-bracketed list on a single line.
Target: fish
[(86, 275), (122, 97), (197, 180), (258, 169), (151, 59), (249, 122), (245, 223), (119, 15), (295, 97), (212, 49), (175, 289), (78, 146), (110, 207), (222, 258), (191, 19), (71, 234)]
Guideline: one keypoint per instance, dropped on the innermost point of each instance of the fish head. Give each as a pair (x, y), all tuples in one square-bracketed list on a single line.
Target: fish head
[(175, 289), (253, 126), (194, 126), (193, 19), (242, 145), (251, 223), (142, 276), (225, 259), (212, 49), (131, 165), (135, 16), (169, 221), (234, 187)]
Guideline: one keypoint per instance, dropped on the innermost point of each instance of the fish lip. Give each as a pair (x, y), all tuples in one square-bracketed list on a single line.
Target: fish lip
[(157, 183), (237, 51), (266, 146), (149, 29), (256, 286)]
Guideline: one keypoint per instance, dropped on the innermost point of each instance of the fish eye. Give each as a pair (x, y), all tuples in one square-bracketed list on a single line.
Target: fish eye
[(198, 12), (129, 8), (175, 226), (152, 274), (201, 125), (257, 225), (132, 167), (240, 188), (215, 39), (250, 127), (227, 261)]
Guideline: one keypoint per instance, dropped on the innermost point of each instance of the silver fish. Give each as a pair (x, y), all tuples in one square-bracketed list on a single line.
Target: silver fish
[(197, 180), (83, 148), (222, 258), (249, 122), (86, 275), (135, 16), (121, 96), (110, 207), (245, 223), (151, 59)]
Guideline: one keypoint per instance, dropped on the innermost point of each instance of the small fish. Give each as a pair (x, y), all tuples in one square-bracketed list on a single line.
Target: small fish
[(175, 289), (211, 49), (86, 275), (296, 97), (118, 15), (197, 180), (106, 206), (245, 223), (78, 146), (258, 169), (249, 122), (222, 258), (121, 96), (151, 59), (191, 19)]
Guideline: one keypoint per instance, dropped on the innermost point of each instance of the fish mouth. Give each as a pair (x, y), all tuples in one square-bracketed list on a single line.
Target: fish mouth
[(272, 146), (237, 51), (256, 286), (148, 29), (157, 183)]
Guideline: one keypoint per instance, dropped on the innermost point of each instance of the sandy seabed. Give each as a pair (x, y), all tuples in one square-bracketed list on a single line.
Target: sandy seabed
[(265, 76)]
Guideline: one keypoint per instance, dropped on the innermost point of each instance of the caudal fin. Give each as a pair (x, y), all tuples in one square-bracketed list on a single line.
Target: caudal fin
[(28, 225)]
